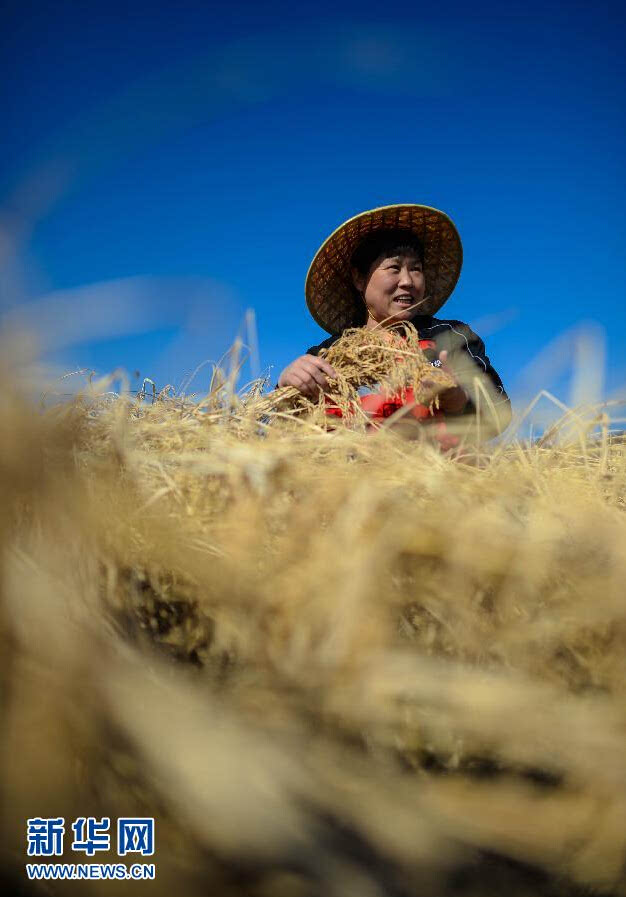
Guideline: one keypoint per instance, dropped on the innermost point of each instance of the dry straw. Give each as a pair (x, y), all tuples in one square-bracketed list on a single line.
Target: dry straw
[(390, 361), (327, 664)]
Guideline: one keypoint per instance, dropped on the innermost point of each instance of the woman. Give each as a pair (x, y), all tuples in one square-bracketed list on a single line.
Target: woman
[(387, 266)]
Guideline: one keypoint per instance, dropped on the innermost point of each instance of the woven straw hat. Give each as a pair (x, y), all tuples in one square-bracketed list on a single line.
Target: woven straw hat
[(330, 294)]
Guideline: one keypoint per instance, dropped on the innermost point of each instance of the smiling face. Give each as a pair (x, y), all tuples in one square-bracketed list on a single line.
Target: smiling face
[(393, 289)]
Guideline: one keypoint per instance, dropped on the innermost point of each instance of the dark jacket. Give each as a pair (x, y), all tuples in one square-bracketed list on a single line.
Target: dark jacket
[(466, 353)]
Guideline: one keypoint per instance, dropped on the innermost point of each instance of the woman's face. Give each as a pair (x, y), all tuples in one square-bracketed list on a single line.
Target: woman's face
[(393, 289)]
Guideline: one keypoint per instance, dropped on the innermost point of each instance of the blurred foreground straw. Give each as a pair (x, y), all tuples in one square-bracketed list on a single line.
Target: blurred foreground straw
[(327, 664)]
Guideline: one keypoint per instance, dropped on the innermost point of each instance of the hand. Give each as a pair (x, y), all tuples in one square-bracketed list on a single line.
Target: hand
[(454, 399), (308, 374)]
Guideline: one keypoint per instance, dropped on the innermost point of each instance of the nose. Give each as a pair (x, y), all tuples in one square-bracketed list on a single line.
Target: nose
[(405, 279)]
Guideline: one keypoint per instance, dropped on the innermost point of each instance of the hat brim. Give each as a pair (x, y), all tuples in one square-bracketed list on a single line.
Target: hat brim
[(330, 294)]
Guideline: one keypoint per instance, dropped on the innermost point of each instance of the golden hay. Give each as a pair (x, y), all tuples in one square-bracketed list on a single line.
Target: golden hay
[(389, 360), (327, 664)]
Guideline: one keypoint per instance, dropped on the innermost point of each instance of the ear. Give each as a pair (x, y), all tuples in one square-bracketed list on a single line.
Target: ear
[(357, 279)]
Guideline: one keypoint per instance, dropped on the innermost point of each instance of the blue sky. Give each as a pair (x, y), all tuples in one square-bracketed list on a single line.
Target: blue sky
[(168, 166)]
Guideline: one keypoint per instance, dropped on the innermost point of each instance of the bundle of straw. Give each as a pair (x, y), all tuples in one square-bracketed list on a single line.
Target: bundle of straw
[(388, 361)]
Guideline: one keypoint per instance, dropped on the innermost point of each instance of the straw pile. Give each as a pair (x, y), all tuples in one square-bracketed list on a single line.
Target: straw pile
[(388, 360), (327, 664)]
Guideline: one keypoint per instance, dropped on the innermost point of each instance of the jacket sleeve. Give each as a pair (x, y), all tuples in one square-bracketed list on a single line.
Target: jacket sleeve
[(467, 356)]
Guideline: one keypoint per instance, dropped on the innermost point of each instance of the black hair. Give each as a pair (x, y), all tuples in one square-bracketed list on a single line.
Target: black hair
[(387, 243)]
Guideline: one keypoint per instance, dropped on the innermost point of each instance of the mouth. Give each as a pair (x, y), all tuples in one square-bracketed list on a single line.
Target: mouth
[(404, 301)]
